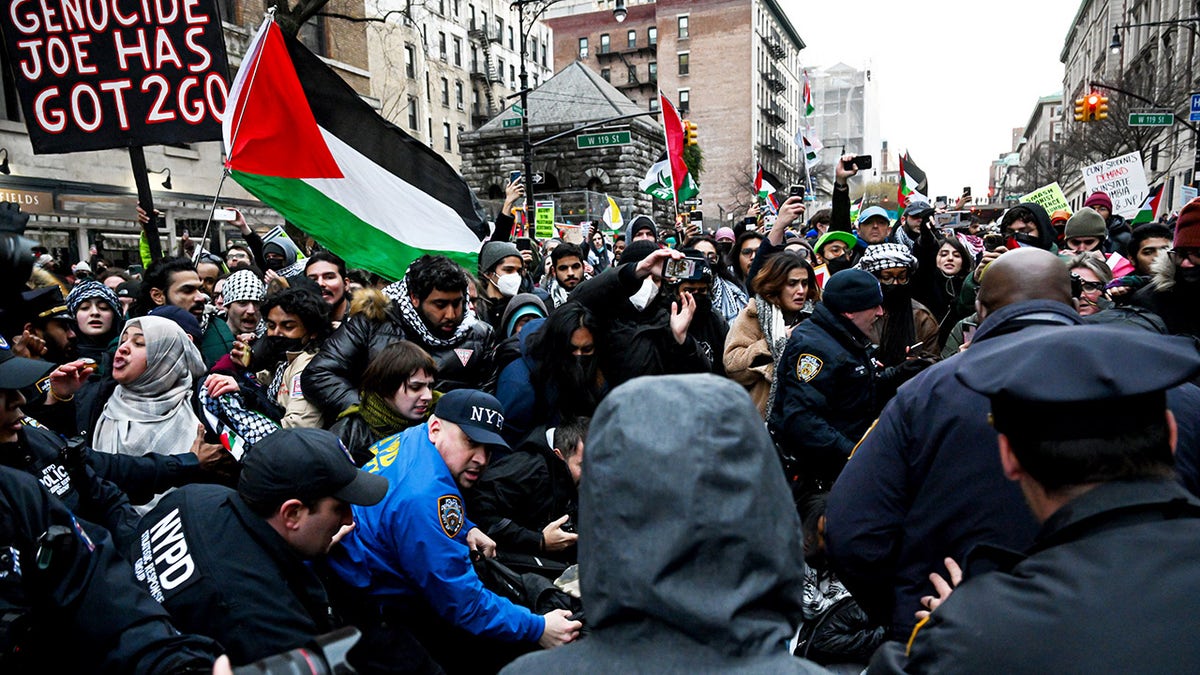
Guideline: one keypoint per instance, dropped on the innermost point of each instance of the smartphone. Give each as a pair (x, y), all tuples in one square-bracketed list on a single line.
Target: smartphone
[(750, 221), (684, 269), (949, 219), (859, 162), (967, 191), (697, 216), (514, 176), (523, 244), (796, 191), (224, 215), (992, 242), (940, 202)]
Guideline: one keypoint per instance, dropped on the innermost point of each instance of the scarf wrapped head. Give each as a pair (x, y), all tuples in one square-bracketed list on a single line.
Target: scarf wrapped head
[(153, 413)]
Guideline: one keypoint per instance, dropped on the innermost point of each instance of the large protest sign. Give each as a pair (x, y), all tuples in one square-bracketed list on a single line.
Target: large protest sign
[(96, 74), (1049, 197), (1123, 179)]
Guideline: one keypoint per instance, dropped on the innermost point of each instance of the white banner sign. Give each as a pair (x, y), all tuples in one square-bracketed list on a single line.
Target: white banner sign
[(1123, 179)]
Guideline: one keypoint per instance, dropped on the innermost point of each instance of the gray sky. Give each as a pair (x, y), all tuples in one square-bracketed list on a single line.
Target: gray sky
[(953, 77)]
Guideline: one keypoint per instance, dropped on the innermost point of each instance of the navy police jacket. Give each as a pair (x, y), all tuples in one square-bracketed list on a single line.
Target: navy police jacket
[(410, 550)]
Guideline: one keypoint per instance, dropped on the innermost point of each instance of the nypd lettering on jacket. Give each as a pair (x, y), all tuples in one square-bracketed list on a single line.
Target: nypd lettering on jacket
[(165, 564), (56, 479)]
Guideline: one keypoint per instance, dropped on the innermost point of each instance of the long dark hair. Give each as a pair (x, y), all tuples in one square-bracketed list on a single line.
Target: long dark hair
[(773, 276), (736, 253), (722, 267), (573, 386)]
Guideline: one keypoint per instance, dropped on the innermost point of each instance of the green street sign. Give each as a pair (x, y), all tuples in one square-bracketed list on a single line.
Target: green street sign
[(1151, 119), (584, 141), (518, 109), (510, 123)]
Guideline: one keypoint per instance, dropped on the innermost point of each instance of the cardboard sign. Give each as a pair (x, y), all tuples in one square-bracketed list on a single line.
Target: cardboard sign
[(1186, 194), (1049, 197), (543, 220), (1123, 179), (97, 74)]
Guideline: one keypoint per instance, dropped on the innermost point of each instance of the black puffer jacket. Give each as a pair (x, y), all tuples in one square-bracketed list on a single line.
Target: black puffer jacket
[(332, 378)]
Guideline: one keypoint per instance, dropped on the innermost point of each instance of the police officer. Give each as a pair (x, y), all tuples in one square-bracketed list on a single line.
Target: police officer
[(408, 559), (231, 564), (826, 380), (1110, 583), (67, 601)]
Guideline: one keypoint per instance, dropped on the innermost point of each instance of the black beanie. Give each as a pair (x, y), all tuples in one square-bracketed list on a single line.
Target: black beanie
[(638, 251), (851, 290)]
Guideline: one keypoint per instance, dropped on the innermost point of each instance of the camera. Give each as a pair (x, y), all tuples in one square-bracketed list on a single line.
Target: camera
[(325, 655), (684, 269), (992, 242)]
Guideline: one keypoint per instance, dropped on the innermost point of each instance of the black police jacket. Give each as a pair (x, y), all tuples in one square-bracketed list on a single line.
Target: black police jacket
[(223, 572), (1110, 586), (825, 394), (333, 376), (82, 612)]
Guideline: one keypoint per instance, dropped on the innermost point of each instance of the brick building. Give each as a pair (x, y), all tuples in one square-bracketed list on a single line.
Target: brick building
[(731, 66)]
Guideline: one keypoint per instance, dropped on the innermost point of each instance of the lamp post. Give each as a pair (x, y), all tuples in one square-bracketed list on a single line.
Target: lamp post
[(1186, 22), (619, 14)]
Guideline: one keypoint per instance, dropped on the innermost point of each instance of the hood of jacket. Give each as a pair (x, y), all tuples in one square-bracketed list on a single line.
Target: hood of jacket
[(693, 529), (1163, 270)]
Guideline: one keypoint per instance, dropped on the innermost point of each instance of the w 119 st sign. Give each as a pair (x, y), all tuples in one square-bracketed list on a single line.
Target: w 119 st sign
[(96, 74)]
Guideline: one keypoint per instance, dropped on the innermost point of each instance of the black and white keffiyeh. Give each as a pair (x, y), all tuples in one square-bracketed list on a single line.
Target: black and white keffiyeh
[(398, 293), (886, 256), (90, 290)]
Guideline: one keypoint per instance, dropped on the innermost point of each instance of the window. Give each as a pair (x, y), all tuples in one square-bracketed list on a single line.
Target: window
[(483, 25), (445, 92), (605, 45), (685, 101), (474, 59), (683, 63), (683, 27), (534, 51), (632, 39), (458, 51), (446, 136), (442, 46), (312, 35), (652, 36), (652, 69), (606, 74), (458, 94), (410, 61), (632, 75), (510, 38), (500, 69), (654, 103), (583, 48), (412, 113), (499, 28), (545, 60), (429, 125), (512, 77), (456, 7)]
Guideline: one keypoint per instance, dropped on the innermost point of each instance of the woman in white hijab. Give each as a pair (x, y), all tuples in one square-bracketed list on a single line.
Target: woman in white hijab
[(155, 367)]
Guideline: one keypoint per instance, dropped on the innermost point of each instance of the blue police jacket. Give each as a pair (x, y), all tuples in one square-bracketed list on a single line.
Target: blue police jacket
[(413, 544)]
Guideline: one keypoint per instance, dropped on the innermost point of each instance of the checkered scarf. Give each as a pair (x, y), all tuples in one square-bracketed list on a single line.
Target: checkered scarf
[(243, 285), (398, 293), (886, 256), (90, 290)]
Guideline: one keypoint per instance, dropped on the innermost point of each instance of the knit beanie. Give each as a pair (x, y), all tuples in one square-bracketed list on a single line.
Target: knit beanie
[(851, 290), (1099, 199), (495, 251), (1087, 222), (641, 223), (1187, 228), (522, 304)]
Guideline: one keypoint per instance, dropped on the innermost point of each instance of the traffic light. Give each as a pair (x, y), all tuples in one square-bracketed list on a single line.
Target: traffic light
[(1102, 108), (1081, 110), (690, 129)]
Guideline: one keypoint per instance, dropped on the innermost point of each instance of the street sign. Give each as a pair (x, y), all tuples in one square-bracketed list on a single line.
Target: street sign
[(538, 178), (583, 141), (1151, 119), (1195, 116), (518, 109), (511, 122)]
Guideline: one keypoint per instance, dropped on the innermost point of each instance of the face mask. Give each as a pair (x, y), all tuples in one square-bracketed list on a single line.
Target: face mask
[(648, 291), (835, 265), (508, 284), (724, 247), (703, 305), (1189, 275), (1024, 239), (270, 350)]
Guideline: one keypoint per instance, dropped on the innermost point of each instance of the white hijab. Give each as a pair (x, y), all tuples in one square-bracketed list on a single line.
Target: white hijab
[(154, 412)]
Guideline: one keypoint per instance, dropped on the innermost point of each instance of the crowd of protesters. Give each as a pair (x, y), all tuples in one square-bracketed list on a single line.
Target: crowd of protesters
[(756, 450)]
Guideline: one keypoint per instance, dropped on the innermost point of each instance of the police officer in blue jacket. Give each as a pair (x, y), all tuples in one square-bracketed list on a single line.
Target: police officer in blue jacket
[(408, 560)]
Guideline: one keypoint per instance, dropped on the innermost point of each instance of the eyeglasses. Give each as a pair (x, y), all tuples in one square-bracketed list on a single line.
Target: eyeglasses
[(1178, 254), (894, 279), (749, 251)]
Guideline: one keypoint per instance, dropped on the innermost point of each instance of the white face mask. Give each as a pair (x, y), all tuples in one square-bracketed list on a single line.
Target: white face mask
[(645, 294), (508, 284)]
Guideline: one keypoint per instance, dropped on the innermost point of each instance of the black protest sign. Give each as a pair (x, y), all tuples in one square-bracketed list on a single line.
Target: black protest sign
[(96, 74)]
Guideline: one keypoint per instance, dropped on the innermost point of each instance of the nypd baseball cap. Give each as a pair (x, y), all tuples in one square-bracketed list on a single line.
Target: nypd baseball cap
[(18, 372), (306, 464), (480, 415)]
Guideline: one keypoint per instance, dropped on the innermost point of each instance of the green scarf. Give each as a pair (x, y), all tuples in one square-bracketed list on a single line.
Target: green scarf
[(380, 417)]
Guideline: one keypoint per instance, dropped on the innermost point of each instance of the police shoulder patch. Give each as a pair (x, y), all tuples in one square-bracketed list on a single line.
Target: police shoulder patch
[(450, 514), (807, 367)]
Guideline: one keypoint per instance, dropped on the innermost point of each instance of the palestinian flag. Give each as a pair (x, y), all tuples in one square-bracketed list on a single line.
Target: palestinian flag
[(658, 184), (808, 104), (765, 184), (913, 184), (857, 209), (1149, 208), (673, 128), (811, 146), (302, 140)]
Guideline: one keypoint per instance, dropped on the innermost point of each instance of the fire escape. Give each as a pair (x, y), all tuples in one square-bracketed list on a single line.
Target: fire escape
[(485, 73)]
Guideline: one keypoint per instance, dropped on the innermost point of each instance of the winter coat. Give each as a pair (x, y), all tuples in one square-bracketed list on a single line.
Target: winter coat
[(748, 359), (689, 552), (1178, 306), (332, 379), (926, 326)]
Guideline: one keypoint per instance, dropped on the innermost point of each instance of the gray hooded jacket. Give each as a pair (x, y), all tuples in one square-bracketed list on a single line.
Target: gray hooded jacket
[(689, 545)]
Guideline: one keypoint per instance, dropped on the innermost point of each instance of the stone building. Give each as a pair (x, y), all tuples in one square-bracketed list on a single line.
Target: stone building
[(82, 199), (576, 179)]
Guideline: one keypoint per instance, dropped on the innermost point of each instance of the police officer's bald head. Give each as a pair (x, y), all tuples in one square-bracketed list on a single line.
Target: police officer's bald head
[(1024, 274)]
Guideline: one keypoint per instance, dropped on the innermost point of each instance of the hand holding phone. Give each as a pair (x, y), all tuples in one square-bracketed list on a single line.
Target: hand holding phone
[(858, 162)]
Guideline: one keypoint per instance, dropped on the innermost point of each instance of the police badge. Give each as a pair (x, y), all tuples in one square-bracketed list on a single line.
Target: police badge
[(807, 367), (450, 514)]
